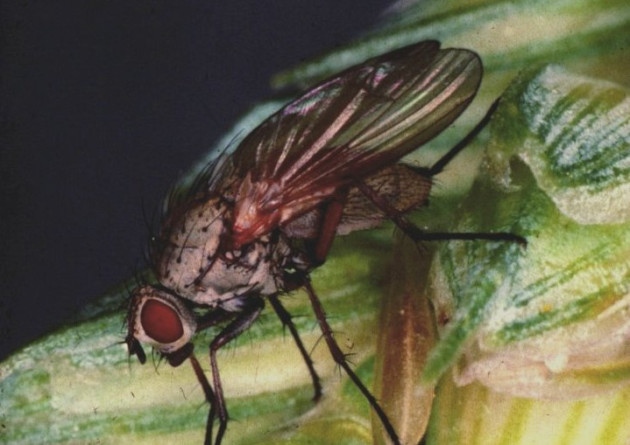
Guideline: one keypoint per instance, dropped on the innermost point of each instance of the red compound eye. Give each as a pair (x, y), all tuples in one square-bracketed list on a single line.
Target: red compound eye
[(161, 322)]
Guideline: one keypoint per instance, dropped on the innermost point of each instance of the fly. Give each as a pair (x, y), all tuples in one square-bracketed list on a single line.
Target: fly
[(258, 221)]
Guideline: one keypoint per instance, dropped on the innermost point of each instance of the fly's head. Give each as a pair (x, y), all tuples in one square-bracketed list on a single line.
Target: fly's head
[(161, 320)]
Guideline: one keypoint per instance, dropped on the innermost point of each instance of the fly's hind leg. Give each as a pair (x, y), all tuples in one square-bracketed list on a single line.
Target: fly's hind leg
[(417, 234), (424, 176)]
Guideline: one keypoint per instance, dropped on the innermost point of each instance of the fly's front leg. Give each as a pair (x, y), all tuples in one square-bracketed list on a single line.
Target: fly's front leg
[(253, 306), (210, 397), (176, 358)]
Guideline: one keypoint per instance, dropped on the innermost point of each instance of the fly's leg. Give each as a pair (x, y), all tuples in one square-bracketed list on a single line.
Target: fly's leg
[(411, 229), (251, 311), (285, 317), (472, 134), (210, 397), (328, 230), (332, 212), (340, 359), (417, 234), (177, 358)]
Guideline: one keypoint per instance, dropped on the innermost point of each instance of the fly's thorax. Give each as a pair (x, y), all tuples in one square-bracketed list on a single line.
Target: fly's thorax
[(159, 319), (233, 276), (196, 260)]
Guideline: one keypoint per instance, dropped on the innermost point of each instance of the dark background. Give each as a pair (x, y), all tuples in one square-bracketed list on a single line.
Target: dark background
[(102, 105)]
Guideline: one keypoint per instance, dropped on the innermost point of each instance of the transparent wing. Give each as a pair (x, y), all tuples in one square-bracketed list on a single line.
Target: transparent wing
[(362, 119), (349, 127)]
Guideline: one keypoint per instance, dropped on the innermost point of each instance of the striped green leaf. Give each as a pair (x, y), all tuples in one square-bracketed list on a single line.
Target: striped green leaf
[(551, 319)]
